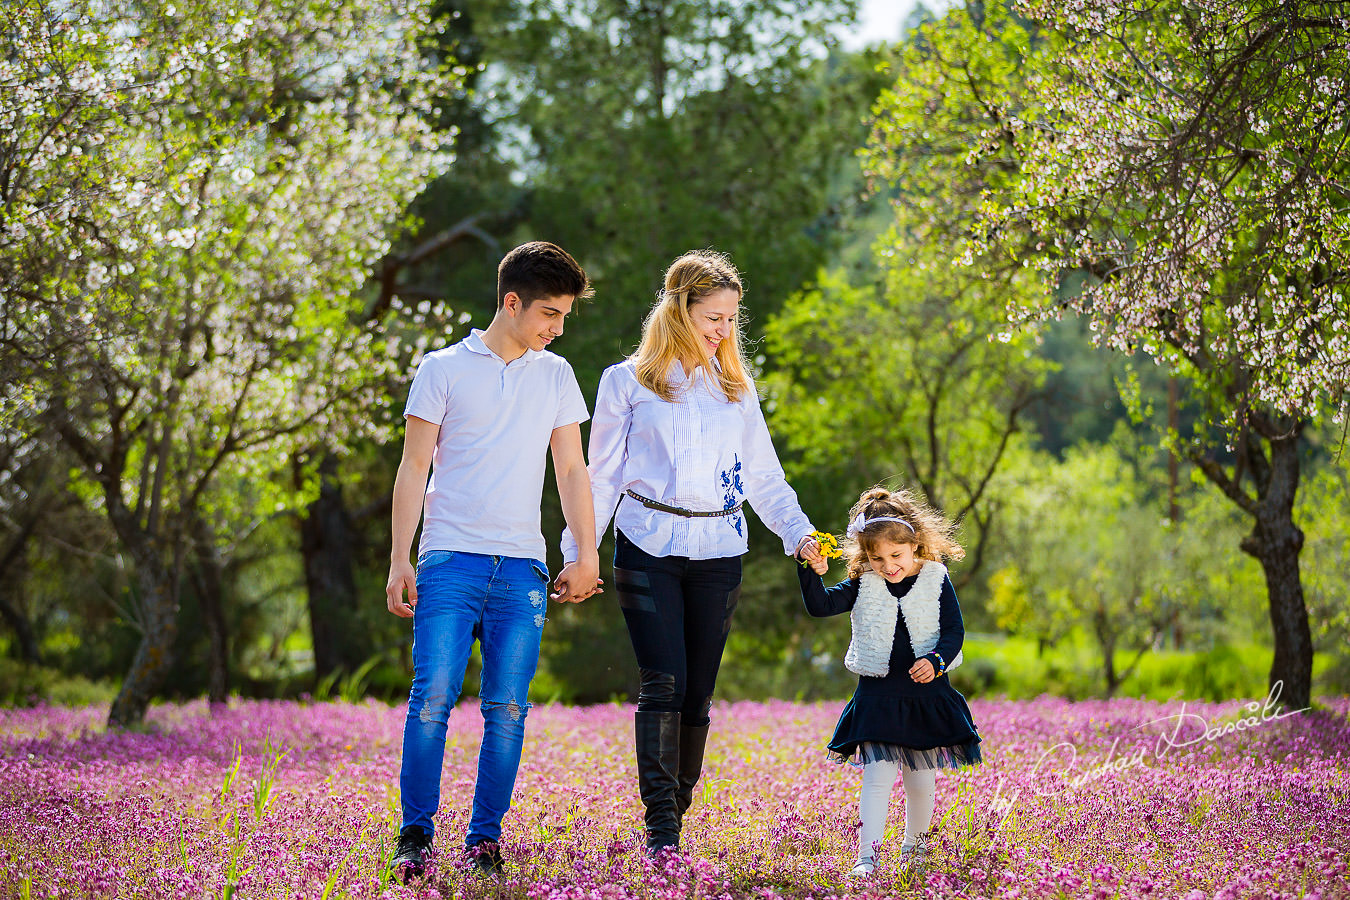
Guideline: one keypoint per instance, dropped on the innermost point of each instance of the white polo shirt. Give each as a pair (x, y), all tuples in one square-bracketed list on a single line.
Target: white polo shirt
[(496, 418)]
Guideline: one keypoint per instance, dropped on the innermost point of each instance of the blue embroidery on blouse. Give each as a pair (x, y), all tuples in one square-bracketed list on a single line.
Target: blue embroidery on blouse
[(733, 488)]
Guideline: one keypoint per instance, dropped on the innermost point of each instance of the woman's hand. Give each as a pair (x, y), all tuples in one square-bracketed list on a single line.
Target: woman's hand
[(577, 581), (922, 671), (808, 551)]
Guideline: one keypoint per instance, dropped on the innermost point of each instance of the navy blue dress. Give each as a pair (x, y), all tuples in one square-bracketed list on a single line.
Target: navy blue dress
[(924, 726)]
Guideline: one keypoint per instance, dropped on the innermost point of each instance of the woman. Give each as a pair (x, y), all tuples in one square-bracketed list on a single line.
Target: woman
[(679, 445)]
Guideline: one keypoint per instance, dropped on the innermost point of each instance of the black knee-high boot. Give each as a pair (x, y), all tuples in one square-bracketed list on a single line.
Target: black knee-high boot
[(693, 738), (657, 737)]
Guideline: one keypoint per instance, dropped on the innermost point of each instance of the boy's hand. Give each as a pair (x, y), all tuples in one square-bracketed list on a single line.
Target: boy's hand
[(922, 671), (402, 577), (577, 581)]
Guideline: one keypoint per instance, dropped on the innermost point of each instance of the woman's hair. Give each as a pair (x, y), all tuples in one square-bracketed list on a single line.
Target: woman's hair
[(931, 532), (668, 331)]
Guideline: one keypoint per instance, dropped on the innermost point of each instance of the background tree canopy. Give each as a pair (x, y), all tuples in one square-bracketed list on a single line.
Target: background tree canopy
[(1076, 275)]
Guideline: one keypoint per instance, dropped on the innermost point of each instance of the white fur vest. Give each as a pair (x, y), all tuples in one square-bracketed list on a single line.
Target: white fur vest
[(874, 616)]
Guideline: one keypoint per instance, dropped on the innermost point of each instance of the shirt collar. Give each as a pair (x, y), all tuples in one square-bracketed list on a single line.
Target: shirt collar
[(676, 371), (475, 343)]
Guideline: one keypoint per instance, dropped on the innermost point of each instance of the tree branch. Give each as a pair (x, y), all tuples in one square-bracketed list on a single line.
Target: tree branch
[(1216, 474), (388, 269)]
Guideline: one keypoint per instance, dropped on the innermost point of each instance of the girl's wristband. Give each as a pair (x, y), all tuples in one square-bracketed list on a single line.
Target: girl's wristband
[(941, 663)]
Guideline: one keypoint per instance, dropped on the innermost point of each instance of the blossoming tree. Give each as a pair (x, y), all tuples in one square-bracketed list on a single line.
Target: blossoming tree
[(191, 202), (1178, 172)]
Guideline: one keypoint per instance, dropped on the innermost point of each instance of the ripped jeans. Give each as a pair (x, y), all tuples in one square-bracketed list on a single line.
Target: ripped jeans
[(501, 601)]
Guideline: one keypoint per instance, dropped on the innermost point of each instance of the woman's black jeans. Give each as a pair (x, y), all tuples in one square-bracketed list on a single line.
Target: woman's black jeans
[(678, 612)]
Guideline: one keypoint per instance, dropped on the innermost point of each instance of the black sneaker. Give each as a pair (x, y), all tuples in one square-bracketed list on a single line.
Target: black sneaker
[(410, 858), (486, 857)]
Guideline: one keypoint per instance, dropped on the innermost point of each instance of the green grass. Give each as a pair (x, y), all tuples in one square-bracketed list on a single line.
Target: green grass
[(1012, 667), (993, 666)]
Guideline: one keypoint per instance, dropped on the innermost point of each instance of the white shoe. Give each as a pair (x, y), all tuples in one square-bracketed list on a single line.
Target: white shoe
[(913, 859), (864, 867)]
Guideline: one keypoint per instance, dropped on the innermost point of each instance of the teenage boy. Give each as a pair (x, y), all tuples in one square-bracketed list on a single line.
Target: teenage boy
[(482, 413)]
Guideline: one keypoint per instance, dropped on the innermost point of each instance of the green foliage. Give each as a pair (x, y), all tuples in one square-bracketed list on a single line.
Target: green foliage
[(28, 685), (1019, 668), (642, 133), (350, 686), (1090, 549), (913, 381), (638, 134), (939, 133), (906, 371)]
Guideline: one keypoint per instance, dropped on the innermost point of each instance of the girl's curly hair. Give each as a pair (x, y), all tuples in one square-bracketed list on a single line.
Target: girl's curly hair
[(932, 532)]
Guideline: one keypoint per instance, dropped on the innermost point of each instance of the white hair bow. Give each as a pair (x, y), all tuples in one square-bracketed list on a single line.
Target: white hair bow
[(861, 522)]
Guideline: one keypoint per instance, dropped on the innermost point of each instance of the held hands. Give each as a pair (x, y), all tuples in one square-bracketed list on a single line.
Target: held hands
[(922, 671), (402, 576), (577, 581), (808, 551)]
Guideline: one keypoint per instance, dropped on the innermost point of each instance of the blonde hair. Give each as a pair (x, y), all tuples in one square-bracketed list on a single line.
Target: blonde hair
[(668, 331), (931, 534)]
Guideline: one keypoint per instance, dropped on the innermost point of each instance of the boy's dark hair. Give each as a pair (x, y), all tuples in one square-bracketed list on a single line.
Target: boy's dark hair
[(540, 269)]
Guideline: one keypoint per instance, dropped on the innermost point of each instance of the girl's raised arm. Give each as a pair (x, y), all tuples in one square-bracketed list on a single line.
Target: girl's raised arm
[(822, 601)]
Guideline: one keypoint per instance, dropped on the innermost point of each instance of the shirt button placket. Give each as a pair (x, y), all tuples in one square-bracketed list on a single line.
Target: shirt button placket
[(697, 463), (685, 462)]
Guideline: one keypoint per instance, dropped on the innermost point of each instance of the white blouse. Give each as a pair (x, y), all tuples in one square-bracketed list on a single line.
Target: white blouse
[(698, 452)]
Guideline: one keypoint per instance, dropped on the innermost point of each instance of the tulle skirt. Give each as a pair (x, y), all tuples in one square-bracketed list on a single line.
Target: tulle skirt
[(953, 757), (931, 731)]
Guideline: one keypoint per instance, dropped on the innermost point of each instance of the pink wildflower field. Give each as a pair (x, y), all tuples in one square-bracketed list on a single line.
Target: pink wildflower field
[(1101, 799)]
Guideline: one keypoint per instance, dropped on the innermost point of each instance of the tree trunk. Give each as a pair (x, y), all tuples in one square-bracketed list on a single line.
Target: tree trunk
[(1275, 542), (25, 638), (327, 544), (159, 627), (13, 578), (1108, 646), (158, 570), (209, 576)]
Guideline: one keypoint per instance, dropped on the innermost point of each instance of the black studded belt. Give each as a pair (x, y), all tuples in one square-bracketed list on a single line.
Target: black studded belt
[(678, 511)]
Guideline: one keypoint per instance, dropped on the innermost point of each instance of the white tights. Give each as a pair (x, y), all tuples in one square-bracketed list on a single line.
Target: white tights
[(877, 783)]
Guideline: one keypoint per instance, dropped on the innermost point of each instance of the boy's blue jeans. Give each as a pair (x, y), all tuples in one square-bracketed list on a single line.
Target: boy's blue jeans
[(501, 602)]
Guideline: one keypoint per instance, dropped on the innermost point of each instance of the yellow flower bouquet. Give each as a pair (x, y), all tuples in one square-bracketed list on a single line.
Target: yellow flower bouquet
[(829, 545)]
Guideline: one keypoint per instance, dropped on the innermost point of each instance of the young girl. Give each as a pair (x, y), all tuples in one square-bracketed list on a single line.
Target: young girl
[(905, 717)]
